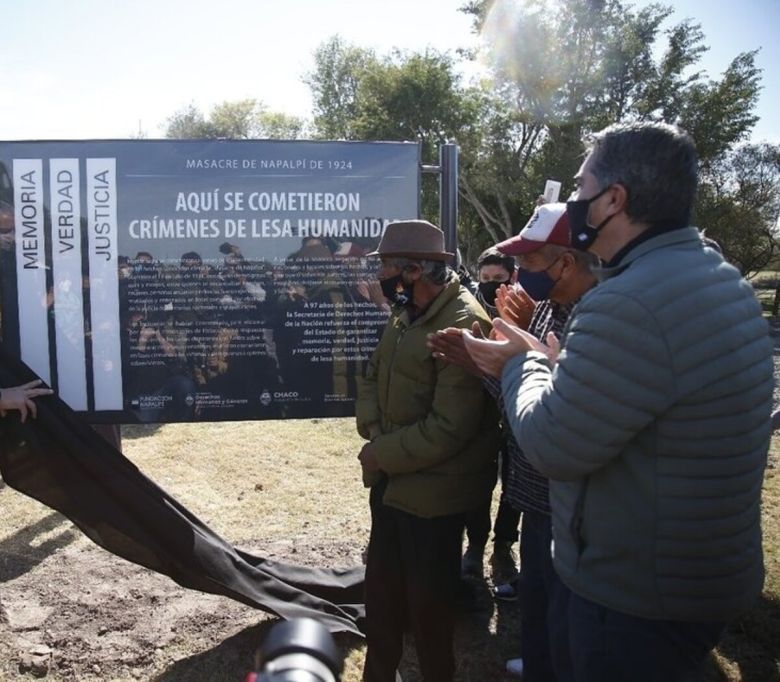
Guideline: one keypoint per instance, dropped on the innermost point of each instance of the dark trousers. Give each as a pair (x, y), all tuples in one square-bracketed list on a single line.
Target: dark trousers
[(507, 518), (605, 644), (558, 629), (609, 645), (537, 582), (504, 529), (412, 575)]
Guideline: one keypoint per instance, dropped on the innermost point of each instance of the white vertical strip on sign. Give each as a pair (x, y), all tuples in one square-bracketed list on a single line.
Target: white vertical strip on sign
[(31, 265), (104, 283), (65, 203)]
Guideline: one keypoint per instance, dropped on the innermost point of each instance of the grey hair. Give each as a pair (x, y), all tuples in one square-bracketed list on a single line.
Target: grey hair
[(435, 271), (657, 165)]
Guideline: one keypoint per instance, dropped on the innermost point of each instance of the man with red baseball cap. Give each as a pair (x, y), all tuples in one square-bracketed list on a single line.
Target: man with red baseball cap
[(544, 254), (555, 276)]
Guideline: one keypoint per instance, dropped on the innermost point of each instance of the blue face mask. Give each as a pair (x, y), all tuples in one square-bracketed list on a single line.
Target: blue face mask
[(539, 284)]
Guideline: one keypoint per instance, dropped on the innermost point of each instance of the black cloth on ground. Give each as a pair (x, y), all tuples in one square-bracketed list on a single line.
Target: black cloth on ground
[(60, 461)]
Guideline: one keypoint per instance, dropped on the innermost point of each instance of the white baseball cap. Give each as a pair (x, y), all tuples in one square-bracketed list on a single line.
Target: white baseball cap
[(548, 225)]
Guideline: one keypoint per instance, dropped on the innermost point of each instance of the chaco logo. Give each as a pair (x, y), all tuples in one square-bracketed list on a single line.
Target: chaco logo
[(265, 398), (285, 395)]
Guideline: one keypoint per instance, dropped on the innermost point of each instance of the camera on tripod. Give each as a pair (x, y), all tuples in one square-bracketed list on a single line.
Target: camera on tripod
[(298, 650)]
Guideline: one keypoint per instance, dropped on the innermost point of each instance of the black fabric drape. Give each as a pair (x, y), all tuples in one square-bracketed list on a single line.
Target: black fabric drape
[(60, 461)]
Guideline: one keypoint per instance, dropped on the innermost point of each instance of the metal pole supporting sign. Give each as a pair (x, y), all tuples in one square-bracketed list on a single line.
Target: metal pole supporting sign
[(448, 194)]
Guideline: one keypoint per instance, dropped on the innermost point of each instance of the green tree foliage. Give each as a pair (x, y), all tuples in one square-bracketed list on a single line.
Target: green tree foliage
[(246, 119), (188, 122), (494, 170), (339, 70), (275, 125), (399, 97), (572, 67), (559, 71), (718, 114), (739, 204)]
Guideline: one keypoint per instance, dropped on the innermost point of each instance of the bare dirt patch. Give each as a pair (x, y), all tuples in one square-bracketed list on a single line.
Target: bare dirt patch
[(102, 617)]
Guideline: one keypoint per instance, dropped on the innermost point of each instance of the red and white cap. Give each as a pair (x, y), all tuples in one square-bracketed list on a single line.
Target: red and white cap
[(548, 225)]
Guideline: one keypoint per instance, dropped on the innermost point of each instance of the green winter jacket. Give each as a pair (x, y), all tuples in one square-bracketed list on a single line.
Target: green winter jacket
[(439, 428), (654, 429)]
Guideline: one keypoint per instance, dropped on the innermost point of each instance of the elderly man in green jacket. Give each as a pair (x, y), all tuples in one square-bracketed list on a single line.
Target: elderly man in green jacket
[(433, 435), (653, 426)]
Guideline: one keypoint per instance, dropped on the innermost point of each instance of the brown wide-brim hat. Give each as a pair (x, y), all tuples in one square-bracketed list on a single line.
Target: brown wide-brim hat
[(413, 239)]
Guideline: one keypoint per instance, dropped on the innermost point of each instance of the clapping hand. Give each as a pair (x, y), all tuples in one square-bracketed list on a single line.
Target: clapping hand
[(448, 345), (515, 306), (491, 355)]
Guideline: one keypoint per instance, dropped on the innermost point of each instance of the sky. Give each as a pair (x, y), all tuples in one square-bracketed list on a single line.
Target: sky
[(91, 69)]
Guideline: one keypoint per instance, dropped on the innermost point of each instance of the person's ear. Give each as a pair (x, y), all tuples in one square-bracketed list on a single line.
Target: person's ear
[(568, 261), (412, 272), (618, 199)]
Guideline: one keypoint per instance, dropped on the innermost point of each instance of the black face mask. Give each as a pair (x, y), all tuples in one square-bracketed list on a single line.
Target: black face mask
[(488, 291), (396, 290), (582, 233)]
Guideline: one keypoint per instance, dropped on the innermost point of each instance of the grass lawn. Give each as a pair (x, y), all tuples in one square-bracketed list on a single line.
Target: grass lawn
[(293, 489), (764, 284), (750, 650)]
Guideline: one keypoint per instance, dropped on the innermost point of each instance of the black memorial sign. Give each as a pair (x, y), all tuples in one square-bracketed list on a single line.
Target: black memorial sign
[(159, 281)]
